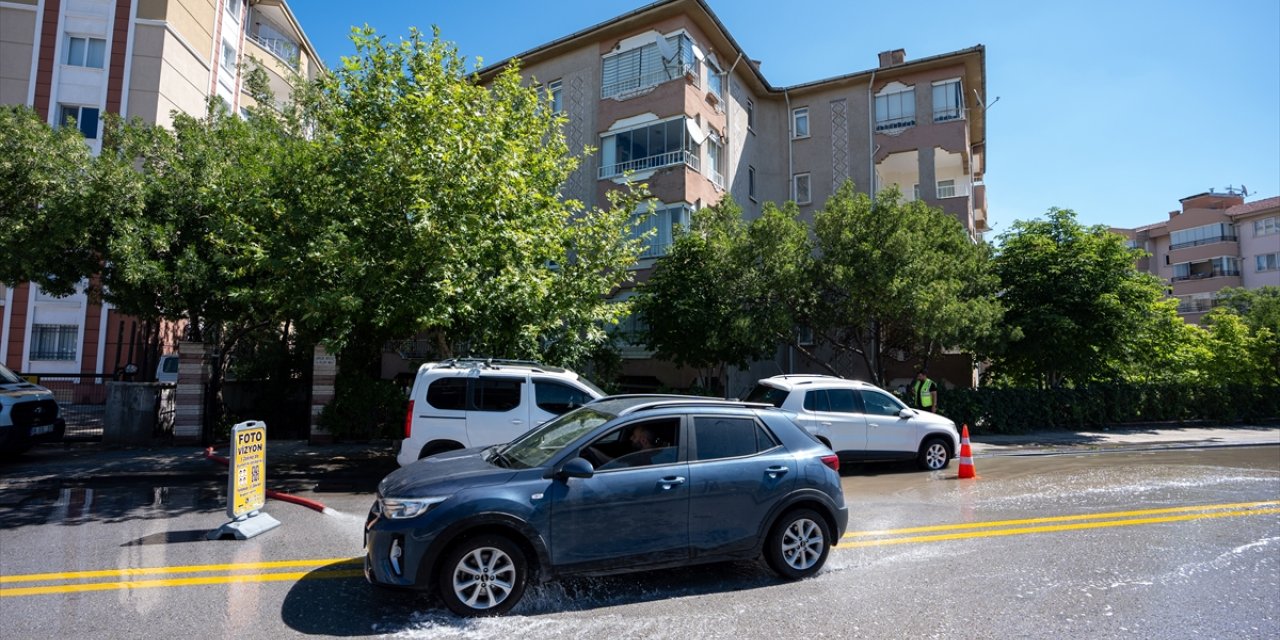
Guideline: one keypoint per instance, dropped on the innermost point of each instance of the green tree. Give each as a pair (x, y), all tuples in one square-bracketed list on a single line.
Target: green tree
[(1075, 295), (438, 209), (1251, 317), (896, 275), (726, 293)]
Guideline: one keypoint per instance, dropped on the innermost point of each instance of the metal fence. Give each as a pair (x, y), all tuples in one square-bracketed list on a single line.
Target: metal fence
[(82, 401)]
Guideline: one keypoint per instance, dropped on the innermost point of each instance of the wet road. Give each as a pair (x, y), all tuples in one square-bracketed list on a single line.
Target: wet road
[(1168, 544)]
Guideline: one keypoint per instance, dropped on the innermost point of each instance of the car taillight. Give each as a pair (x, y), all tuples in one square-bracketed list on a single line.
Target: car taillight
[(832, 461), (408, 421)]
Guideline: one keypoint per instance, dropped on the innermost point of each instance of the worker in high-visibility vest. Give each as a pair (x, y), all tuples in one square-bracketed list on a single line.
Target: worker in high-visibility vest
[(924, 392)]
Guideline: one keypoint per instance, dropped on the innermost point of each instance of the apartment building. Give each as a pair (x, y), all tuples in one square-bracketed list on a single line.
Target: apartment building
[(74, 60), (669, 98), (1216, 240)]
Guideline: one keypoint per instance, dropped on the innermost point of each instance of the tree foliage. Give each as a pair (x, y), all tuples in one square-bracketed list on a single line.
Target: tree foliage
[(895, 275), (1077, 298)]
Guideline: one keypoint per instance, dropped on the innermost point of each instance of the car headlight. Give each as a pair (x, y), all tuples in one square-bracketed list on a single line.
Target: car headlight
[(403, 508)]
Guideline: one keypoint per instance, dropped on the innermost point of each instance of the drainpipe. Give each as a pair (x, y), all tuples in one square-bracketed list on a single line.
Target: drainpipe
[(791, 137), (871, 136)]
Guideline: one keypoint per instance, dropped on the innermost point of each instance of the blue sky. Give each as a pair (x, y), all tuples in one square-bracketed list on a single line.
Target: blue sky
[(1114, 109)]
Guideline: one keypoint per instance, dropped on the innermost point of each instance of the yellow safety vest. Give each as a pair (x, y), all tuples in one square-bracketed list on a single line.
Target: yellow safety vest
[(924, 393)]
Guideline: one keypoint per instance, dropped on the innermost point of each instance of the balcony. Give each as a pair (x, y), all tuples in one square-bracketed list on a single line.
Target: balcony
[(669, 159), (895, 123), (1197, 306), (1203, 275), (1203, 241), (625, 88), (947, 115), (286, 50)]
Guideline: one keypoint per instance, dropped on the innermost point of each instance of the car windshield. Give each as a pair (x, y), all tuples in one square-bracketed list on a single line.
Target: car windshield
[(767, 394), (536, 447), (8, 377)]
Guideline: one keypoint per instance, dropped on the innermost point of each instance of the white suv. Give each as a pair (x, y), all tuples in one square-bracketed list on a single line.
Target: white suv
[(861, 422), (463, 403)]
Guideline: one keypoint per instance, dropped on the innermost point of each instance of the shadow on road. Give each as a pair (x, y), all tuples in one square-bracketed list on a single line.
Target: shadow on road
[(324, 604)]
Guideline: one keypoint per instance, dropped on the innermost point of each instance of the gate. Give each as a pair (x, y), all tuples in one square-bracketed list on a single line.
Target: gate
[(82, 401)]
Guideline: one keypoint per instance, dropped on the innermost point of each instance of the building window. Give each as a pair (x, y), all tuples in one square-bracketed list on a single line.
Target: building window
[(715, 160), (54, 341), (643, 67), (661, 226), (86, 52), (800, 122), (557, 96), (233, 10), (751, 182), (1266, 226), (228, 58), (915, 191), (1211, 268), (1206, 234), (85, 119), (800, 190), (948, 101), (1268, 262), (896, 110), (946, 188), (715, 81), (657, 145), (751, 114)]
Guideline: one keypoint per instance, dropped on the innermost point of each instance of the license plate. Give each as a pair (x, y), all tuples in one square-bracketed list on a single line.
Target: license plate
[(48, 428)]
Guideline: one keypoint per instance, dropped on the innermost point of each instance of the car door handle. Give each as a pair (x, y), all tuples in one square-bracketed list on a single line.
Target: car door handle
[(776, 470), (670, 481), (517, 421), (825, 424)]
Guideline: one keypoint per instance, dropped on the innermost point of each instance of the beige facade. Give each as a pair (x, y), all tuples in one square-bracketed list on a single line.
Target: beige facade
[(669, 98), (1215, 241), (139, 58)]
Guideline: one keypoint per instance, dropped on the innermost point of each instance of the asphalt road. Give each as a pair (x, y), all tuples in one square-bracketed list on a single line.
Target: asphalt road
[(1142, 544)]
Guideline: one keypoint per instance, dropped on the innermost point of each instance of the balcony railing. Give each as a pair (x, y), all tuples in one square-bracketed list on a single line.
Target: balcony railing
[(652, 162), (944, 115), (626, 86), (286, 50), (1197, 306), (1216, 273), (895, 123), (1201, 241)]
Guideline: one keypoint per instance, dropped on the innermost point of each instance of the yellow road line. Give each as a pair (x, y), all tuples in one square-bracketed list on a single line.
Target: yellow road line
[(1087, 516), (200, 568), (995, 533), (179, 582)]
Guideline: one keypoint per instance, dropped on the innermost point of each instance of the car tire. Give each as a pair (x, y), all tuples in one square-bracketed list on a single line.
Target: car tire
[(799, 544), (934, 455), (483, 576), (432, 448)]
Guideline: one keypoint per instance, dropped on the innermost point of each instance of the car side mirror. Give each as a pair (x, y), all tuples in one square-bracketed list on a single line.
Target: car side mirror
[(907, 413), (576, 468)]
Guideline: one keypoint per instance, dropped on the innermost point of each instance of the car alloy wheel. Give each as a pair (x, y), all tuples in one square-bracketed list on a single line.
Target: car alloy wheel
[(933, 455), (483, 576), (799, 544)]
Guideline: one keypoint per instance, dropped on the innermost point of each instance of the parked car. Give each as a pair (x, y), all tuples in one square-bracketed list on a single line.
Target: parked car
[(472, 402), (28, 414), (167, 368), (720, 480), (861, 422)]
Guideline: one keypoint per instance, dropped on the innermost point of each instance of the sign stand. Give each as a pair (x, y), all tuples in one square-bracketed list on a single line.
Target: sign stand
[(246, 484)]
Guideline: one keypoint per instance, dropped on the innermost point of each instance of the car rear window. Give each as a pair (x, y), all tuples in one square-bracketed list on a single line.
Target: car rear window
[(449, 394), (837, 400), (497, 394), (767, 394), (726, 437)]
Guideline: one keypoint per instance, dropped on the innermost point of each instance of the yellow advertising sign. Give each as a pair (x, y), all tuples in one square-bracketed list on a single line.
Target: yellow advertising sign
[(247, 484)]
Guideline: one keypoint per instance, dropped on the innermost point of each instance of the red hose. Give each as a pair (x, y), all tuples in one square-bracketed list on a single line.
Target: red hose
[(271, 493)]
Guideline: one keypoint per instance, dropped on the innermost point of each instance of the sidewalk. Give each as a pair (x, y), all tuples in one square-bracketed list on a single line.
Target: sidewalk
[(295, 464)]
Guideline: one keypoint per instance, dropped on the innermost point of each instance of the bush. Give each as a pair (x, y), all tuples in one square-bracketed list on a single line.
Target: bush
[(1012, 410), (364, 408)]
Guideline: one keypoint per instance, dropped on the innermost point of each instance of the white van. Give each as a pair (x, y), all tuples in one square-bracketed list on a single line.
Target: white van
[(28, 414), (463, 403)]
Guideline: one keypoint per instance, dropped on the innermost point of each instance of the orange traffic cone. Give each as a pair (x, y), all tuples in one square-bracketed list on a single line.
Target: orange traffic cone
[(966, 455)]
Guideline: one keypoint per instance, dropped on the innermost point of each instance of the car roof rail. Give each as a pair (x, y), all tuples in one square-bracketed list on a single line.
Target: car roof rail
[(786, 376), (657, 400), (472, 362)]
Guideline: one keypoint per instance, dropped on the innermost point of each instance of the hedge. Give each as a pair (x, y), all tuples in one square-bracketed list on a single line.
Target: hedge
[(1000, 410)]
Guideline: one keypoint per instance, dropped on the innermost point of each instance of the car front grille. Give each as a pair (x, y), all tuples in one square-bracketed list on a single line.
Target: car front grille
[(32, 414)]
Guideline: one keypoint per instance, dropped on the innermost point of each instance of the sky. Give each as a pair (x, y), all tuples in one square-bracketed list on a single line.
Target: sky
[(1114, 109)]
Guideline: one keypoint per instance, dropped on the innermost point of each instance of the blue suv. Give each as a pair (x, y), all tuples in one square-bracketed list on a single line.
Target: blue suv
[(625, 483)]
